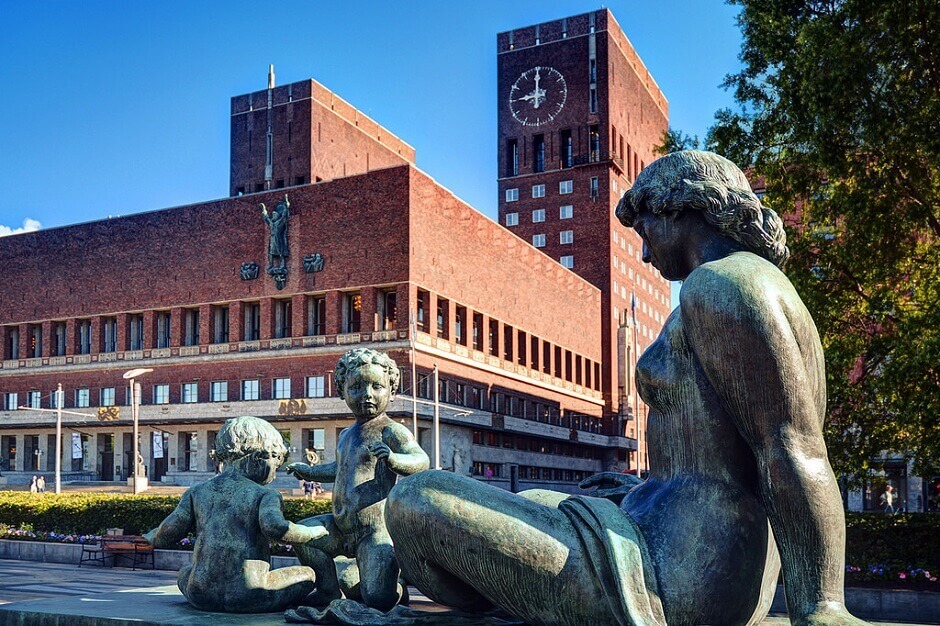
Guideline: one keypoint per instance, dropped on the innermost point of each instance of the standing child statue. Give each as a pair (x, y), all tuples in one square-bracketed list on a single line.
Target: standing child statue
[(369, 456), (235, 515)]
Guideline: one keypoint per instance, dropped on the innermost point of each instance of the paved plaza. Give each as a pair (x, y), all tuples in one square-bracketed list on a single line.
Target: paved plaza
[(21, 581)]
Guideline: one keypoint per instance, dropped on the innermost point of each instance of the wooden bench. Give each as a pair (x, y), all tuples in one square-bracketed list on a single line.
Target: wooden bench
[(127, 546)]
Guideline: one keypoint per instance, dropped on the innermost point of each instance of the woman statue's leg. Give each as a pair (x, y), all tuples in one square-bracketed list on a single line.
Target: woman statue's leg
[(469, 545)]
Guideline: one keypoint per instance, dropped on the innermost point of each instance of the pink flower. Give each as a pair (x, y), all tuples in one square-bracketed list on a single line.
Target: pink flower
[(902, 575)]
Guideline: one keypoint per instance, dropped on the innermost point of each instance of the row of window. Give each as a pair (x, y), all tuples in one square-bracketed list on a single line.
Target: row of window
[(565, 237), (472, 329), (529, 472), (566, 156), (188, 393), (105, 339), (536, 444), (538, 191), (565, 212)]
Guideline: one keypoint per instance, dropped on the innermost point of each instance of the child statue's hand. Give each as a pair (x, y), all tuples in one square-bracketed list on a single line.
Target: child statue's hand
[(148, 537), (297, 469), (311, 533), (379, 450)]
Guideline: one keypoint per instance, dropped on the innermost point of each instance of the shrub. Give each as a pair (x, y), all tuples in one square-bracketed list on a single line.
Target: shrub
[(89, 513)]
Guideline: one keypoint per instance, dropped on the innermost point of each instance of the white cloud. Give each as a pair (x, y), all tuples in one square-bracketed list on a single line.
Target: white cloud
[(29, 225)]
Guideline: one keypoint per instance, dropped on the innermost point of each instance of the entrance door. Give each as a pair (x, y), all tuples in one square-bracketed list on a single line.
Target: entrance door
[(106, 456)]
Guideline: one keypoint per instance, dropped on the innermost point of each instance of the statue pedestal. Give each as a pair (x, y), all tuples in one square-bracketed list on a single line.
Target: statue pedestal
[(144, 483)]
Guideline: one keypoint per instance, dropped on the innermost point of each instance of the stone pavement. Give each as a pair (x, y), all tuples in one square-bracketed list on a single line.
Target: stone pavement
[(124, 589)]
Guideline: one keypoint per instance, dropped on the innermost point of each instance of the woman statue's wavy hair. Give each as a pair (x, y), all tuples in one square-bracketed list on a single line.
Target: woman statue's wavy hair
[(707, 182)]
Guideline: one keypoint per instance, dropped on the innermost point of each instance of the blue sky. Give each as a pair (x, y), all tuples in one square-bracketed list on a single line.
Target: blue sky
[(112, 108)]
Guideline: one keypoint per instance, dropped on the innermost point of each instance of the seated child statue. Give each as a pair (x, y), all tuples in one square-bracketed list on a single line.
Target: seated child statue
[(370, 455), (234, 515)]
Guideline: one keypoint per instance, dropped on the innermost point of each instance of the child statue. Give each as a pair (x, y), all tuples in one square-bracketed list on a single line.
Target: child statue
[(370, 455), (234, 515)]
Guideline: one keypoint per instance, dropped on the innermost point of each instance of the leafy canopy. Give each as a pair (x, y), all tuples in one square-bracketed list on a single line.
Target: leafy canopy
[(839, 111)]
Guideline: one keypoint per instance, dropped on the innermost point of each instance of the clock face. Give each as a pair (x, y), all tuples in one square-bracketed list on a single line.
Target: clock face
[(537, 96)]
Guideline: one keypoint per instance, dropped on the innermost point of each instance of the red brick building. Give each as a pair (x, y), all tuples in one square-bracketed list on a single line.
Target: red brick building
[(578, 117), (517, 338)]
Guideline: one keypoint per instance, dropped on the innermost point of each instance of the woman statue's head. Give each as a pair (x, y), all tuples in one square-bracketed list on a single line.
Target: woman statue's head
[(707, 182)]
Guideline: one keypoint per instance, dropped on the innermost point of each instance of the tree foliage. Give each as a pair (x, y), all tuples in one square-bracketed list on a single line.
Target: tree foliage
[(839, 111), (674, 140)]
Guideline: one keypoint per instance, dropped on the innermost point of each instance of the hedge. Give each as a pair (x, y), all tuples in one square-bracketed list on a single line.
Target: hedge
[(90, 513)]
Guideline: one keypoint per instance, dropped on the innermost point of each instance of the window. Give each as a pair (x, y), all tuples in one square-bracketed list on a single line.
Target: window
[(460, 325), (442, 319), (512, 157), (566, 212), (281, 388), (253, 321), (190, 393), (538, 152), (316, 439), (422, 307), (35, 341), (352, 312), (136, 334), (538, 215), (34, 400), (220, 324), (282, 313), (594, 142), (512, 195), (567, 261), (58, 334), (250, 390), (82, 397), (538, 241), (538, 191), (163, 329), (593, 186), (11, 402), (566, 237), (12, 348), (477, 332), (218, 391), (315, 386), (565, 187), (191, 327), (593, 70), (387, 309), (107, 396), (567, 149), (316, 315), (512, 219), (84, 336), (109, 330), (161, 394), (593, 99)]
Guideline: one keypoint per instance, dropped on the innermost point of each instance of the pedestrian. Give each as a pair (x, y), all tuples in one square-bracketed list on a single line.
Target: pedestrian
[(41, 484), (33, 487), (887, 500), (308, 489)]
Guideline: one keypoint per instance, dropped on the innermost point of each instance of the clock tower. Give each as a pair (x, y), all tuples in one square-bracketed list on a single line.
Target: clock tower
[(578, 117)]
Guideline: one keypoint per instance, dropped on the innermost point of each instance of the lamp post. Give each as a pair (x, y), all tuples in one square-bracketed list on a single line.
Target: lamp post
[(59, 401), (132, 375)]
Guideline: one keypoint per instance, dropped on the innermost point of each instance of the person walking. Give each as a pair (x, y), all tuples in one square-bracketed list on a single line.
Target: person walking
[(33, 486), (41, 484), (887, 500)]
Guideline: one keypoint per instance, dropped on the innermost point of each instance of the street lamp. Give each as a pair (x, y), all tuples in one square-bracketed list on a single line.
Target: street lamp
[(135, 404)]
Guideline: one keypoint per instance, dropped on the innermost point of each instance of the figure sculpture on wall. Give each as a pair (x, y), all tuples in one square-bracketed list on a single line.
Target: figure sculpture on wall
[(736, 388), (277, 222), (370, 455), (235, 516)]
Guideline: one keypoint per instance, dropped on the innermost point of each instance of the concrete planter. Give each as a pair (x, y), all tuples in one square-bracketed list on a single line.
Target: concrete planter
[(893, 605), (47, 552)]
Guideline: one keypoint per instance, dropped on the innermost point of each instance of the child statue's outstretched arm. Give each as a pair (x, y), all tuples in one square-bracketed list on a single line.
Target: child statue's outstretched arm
[(401, 452), (325, 473), (176, 526), (276, 527)]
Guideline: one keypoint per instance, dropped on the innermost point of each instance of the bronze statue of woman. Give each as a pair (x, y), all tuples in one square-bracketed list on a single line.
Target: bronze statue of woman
[(739, 479)]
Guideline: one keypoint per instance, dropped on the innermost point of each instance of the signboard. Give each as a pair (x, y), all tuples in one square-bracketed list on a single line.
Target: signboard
[(76, 446), (108, 413), (157, 448)]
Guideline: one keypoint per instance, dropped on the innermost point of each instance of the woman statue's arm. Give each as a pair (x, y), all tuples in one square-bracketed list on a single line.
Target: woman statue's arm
[(746, 327)]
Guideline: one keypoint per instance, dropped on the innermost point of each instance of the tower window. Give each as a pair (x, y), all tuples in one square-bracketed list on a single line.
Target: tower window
[(512, 157), (512, 195), (512, 219), (567, 149), (538, 149), (538, 241)]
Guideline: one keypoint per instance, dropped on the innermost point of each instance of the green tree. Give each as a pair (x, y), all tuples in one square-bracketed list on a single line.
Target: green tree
[(674, 140), (839, 111)]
